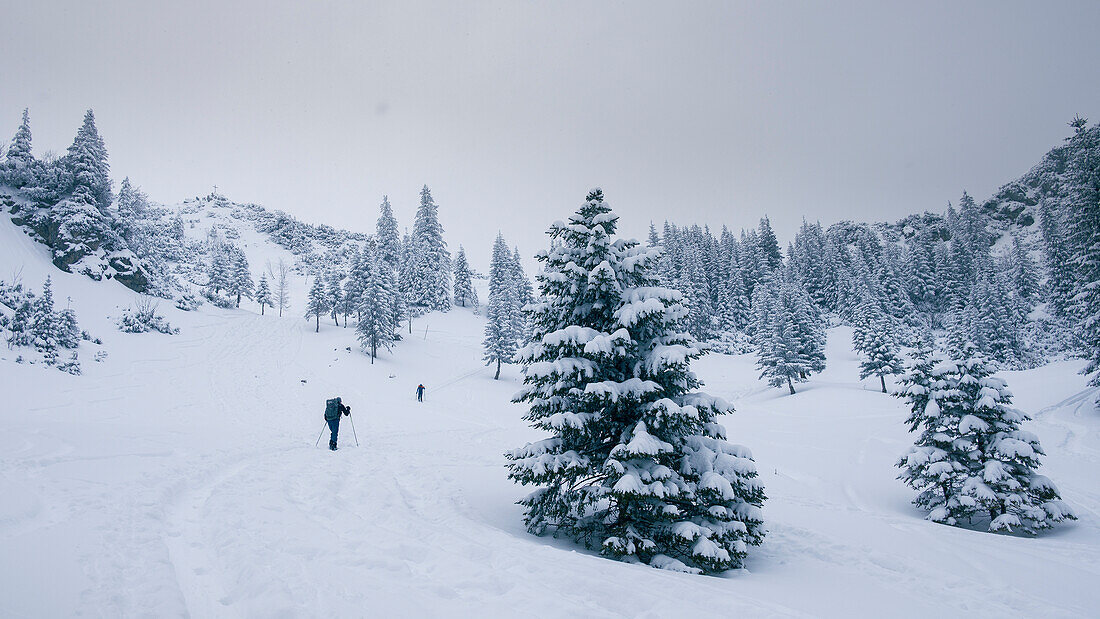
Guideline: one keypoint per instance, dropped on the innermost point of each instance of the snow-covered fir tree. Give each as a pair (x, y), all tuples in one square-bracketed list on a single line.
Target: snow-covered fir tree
[(241, 284), (788, 331), (524, 294), (971, 460), (430, 275), (376, 328), (79, 224), (637, 464), (1024, 272), (692, 283), (317, 304), (263, 294), (19, 167), (880, 351), (500, 341), (334, 290), (465, 295), (388, 235)]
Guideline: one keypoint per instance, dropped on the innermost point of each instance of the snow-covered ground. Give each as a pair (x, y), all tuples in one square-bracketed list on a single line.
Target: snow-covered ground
[(180, 477)]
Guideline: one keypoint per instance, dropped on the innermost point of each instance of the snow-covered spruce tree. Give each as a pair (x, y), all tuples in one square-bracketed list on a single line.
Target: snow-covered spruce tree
[(1060, 281), (241, 279), (19, 165), (464, 288), (880, 351), (693, 285), (430, 281), (1002, 478), (263, 294), (376, 328), (768, 247), (637, 464), (44, 325), (79, 224), (353, 287), (524, 294), (1024, 273), (500, 323), (334, 290), (971, 459), (389, 237), (936, 465), (317, 304), (788, 331)]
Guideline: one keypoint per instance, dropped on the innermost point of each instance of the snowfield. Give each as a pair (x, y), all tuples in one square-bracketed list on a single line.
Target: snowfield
[(179, 477)]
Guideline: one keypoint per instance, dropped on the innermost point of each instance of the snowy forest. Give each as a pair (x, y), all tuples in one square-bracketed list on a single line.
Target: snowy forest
[(635, 462)]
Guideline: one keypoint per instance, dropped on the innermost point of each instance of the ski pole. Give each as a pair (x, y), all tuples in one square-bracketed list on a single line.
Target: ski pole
[(320, 435), (352, 420)]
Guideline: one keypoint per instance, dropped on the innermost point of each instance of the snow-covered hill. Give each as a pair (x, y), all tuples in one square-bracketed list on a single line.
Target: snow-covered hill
[(179, 477)]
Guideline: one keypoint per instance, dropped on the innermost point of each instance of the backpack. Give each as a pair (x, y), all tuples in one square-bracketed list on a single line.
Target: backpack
[(332, 409)]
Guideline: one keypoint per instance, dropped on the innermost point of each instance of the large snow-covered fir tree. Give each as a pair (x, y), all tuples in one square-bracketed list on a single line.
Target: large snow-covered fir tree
[(637, 464), (430, 275), (501, 337)]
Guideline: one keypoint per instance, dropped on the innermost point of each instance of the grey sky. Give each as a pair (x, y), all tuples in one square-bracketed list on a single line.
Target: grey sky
[(696, 112)]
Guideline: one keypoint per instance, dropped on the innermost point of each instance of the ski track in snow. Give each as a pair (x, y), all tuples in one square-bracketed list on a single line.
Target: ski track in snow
[(180, 478)]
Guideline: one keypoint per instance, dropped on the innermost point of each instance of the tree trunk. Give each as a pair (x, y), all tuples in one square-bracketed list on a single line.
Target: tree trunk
[(262, 305), (318, 329), (790, 385), (497, 377), (238, 299), (882, 377)]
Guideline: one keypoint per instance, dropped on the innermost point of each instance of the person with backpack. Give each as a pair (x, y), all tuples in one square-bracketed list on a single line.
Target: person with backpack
[(333, 409), (420, 393)]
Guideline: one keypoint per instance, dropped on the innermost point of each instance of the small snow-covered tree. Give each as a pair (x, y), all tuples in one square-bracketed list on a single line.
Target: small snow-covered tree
[(880, 351), (280, 278), (1002, 479), (500, 335), (335, 293), (19, 164), (637, 463), (524, 294), (263, 294), (240, 283), (971, 458), (318, 301), (464, 289), (1024, 273), (787, 331)]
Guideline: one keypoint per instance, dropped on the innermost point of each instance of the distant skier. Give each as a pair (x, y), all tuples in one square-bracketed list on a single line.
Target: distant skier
[(420, 393), (333, 408)]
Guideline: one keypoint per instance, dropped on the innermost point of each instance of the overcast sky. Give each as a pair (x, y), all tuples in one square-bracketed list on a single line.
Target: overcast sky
[(695, 112)]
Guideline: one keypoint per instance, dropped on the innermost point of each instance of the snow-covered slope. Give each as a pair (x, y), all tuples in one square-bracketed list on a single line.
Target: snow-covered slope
[(180, 477)]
